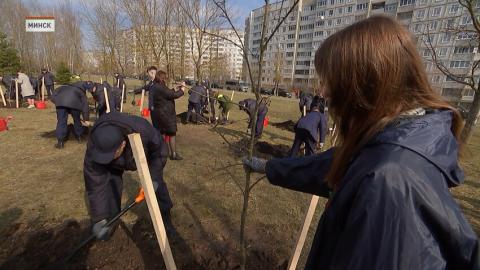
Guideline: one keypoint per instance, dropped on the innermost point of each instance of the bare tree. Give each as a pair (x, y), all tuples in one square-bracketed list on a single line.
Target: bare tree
[(254, 71), (465, 28)]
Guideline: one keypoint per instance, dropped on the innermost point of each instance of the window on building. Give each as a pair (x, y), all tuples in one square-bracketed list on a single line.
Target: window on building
[(349, 9), (445, 37), (307, 27), (322, 3), (432, 26), (454, 8), (422, 2), (436, 11), (451, 92), (289, 54), (426, 52), (319, 34), (340, 10), (292, 27), (329, 23), (421, 14), (449, 23), (320, 23), (468, 93), (321, 13), (304, 18), (330, 12), (463, 50), (290, 45), (442, 51), (340, 1), (390, 8), (332, 2), (459, 64), (363, 6), (338, 22), (466, 20), (406, 2), (418, 28), (435, 78), (291, 36), (466, 36)]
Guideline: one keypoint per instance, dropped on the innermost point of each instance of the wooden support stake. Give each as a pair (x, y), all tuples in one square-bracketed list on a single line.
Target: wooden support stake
[(3, 97), (43, 89), (297, 251), (231, 100), (106, 99), (16, 94), (142, 99), (304, 145), (123, 96), (150, 197)]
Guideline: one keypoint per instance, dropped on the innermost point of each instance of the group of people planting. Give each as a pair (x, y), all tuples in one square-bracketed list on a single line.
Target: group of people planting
[(387, 179)]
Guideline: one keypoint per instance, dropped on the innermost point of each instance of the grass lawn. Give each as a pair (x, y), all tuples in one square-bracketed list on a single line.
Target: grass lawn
[(42, 186)]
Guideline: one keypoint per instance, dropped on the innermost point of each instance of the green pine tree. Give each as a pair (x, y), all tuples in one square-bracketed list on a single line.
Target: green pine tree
[(9, 60), (63, 74)]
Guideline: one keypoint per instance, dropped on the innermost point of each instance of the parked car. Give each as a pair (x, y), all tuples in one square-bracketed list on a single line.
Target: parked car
[(237, 86), (284, 93), (216, 85), (265, 91)]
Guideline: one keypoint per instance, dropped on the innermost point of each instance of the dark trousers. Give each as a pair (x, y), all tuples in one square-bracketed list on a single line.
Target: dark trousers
[(49, 90), (259, 126), (62, 119), (105, 196), (193, 106), (302, 136)]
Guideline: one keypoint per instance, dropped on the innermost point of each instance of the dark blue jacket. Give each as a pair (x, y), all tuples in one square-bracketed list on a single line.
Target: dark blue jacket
[(49, 78), (248, 105), (96, 175), (198, 94), (114, 97), (393, 208), (73, 96), (314, 122)]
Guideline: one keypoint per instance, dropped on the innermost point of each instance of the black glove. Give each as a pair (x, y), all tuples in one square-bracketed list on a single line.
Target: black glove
[(255, 164), (100, 231)]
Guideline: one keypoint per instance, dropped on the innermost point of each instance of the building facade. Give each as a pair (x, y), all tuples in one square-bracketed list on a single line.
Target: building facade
[(182, 52), (289, 57)]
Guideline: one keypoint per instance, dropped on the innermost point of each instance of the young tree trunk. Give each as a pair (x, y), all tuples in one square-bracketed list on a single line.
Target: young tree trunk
[(471, 118)]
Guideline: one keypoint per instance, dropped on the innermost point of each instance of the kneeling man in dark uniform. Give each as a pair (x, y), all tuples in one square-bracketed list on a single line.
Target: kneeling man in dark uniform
[(109, 154)]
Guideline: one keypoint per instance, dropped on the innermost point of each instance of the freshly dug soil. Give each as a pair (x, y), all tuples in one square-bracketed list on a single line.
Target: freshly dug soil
[(262, 149), (195, 118), (287, 125), (135, 248)]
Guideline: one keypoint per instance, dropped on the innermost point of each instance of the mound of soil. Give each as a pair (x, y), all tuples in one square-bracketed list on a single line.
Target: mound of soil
[(261, 149), (287, 125), (195, 118), (137, 248)]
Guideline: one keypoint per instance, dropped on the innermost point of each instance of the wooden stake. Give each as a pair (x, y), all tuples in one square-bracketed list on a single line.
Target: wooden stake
[(231, 99), (123, 95), (106, 99), (16, 94), (297, 251), (304, 145), (142, 99), (150, 197), (43, 89), (3, 97)]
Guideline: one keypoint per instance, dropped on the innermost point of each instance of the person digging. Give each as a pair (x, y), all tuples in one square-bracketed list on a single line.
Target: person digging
[(108, 155)]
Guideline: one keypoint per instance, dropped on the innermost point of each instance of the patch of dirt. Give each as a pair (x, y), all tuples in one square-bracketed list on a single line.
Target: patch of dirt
[(262, 149), (135, 248), (195, 118), (287, 125)]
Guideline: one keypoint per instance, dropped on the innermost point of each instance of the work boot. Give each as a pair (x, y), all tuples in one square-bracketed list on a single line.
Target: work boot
[(167, 221), (59, 144), (175, 156)]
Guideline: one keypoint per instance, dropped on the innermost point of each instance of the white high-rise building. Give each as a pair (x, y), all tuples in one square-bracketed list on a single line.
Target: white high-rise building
[(289, 58)]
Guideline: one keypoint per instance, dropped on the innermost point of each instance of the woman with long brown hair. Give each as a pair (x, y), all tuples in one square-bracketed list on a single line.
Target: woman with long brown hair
[(388, 179), (163, 114)]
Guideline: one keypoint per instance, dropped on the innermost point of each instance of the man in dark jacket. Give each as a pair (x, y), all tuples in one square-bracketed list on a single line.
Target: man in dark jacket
[(306, 99), (197, 96), (248, 105), (393, 208), (120, 83), (109, 154), (114, 97), (71, 99), (310, 129), (49, 81)]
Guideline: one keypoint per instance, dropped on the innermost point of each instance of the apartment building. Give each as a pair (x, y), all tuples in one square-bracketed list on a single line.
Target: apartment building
[(219, 60), (289, 58)]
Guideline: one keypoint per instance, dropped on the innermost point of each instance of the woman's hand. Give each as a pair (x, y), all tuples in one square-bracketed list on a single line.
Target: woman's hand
[(255, 164)]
